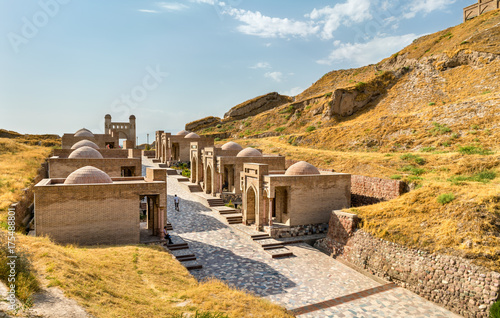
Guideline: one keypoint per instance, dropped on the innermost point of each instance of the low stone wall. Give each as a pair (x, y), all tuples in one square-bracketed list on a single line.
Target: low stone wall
[(451, 281), (298, 230), (233, 197), (23, 207), (149, 153), (369, 190)]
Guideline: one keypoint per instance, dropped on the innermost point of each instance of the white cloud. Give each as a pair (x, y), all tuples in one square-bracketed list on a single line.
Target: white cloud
[(351, 11), (276, 76), (147, 11), (172, 6), (294, 91), (267, 27), (359, 54), (426, 6), (261, 65)]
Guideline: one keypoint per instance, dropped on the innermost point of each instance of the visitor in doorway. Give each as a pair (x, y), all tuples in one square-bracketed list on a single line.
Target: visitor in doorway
[(176, 201), (167, 236)]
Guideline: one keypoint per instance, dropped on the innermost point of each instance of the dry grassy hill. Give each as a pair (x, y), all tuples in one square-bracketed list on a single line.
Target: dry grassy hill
[(429, 115)]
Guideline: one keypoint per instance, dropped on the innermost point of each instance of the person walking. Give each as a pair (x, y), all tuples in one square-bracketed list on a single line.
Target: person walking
[(167, 236), (176, 202)]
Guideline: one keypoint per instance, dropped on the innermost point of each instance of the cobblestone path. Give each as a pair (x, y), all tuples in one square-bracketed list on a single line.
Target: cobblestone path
[(308, 278)]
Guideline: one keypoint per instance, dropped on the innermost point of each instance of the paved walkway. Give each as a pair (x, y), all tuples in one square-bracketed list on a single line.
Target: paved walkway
[(310, 283)]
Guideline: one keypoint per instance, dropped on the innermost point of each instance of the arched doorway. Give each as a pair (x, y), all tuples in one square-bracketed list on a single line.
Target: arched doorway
[(250, 206), (194, 170), (208, 182)]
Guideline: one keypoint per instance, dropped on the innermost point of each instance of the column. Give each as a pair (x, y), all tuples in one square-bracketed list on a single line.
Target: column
[(271, 200)]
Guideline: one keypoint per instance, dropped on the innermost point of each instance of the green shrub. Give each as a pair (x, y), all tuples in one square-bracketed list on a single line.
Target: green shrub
[(310, 128), (413, 170), (280, 129), (445, 198), (474, 150), (415, 158), (206, 314), (360, 85), (328, 94), (217, 139), (454, 136), (218, 126), (439, 129), (484, 176), (186, 173), (246, 124), (289, 109), (428, 149), (396, 177), (495, 310), (432, 103)]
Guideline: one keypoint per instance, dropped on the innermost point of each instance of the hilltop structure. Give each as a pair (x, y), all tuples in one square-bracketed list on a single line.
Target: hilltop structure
[(113, 132), (482, 6)]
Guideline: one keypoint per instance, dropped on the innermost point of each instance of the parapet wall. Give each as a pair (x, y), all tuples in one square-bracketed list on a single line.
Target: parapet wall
[(453, 282), (369, 190)]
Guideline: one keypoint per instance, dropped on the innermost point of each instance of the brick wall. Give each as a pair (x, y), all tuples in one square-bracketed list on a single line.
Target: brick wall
[(61, 168), (92, 214), (369, 190), (450, 281)]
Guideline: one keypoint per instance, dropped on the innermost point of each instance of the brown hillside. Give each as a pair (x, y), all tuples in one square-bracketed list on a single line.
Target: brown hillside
[(428, 115)]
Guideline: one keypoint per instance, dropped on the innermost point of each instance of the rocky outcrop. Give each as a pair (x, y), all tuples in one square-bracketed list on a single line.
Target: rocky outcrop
[(202, 123), (256, 106)]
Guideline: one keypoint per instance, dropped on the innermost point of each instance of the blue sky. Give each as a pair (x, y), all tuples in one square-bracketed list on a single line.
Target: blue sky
[(64, 64)]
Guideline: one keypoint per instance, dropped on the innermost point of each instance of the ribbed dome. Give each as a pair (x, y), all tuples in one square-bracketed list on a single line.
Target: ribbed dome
[(249, 152), (82, 143), (192, 136), (87, 175), (182, 133), (301, 168), (84, 132), (231, 146), (85, 152)]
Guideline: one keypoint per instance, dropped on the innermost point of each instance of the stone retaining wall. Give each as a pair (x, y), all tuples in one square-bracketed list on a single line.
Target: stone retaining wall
[(369, 190), (298, 230), (453, 282)]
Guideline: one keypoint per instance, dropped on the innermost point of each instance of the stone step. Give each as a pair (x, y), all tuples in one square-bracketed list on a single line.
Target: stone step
[(195, 188), (215, 202), (178, 246), (186, 258), (182, 253), (172, 172), (256, 237), (279, 252), (235, 221), (190, 265), (156, 161), (269, 243), (232, 211), (162, 165)]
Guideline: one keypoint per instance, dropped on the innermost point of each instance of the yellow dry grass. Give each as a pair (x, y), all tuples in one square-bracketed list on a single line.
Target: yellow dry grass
[(137, 281), (18, 167)]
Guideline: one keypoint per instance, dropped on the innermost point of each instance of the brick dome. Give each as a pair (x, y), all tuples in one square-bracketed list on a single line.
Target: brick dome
[(84, 132), (85, 152), (301, 168), (231, 146), (192, 136), (82, 143), (182, 133), (249, 152), (88, 175)]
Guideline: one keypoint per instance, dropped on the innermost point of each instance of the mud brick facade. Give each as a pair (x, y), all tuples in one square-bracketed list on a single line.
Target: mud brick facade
[(96, 213), (453, 282), (115, 167)]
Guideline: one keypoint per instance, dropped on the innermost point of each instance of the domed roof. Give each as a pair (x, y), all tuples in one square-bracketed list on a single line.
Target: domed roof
[(88, 175), (231, 146), (131, 117), (107, 116), (85, 152), (301, 168), (249, 152), (84, 132), (192, 136), (182, 133), (82, 143)]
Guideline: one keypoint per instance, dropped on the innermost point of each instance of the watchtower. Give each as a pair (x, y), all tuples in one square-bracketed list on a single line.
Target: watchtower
[(122, 130)]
